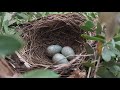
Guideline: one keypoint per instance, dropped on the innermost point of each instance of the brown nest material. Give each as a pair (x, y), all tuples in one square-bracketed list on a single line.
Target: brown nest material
[(62, 29)]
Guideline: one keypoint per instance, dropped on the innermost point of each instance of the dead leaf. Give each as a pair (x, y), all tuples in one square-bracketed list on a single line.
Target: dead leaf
[(99, 48), (77, 74)]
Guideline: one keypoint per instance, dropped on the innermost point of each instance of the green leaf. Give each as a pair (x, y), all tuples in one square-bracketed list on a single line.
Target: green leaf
[(118, 76), (89, 24), (11, 22), (98, 29), (1, 13), (118, 47), (93, 15), (92, 38), (40, 74), (38, 15), (108, 64), (114, 69), (115, 51), (89, 64), (7, 16), (117, 38), (2, 56), (55, 13), (112, 50), (44, 13), (2, 19), (5, 26), (86, 28), (22, 16), (104, 73), (106, 55), (117, 67), (89, 49), (118, 43), (113, 43), (112, 54), (12, 31), (9, 44), (89, 18), (99, 36)]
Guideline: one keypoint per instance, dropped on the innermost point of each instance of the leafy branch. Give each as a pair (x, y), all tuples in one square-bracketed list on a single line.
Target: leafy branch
[(110, 52)]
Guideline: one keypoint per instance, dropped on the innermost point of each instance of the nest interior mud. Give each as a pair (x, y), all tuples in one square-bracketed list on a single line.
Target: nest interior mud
[(61, 29)]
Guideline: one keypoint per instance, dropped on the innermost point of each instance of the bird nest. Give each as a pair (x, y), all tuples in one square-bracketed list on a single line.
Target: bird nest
[(61, 29)]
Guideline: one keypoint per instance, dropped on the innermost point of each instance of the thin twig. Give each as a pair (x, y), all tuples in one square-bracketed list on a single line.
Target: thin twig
[(89, 71), (80, 55), (97, 66), (46, 66), (21, 59)]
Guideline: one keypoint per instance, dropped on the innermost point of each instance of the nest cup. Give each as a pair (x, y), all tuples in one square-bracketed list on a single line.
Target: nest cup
[(61, 29)]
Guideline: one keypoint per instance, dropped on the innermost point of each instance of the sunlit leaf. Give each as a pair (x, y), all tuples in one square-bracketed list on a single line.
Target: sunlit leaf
[(7, 16), (106, 55), (112, 50), (2, 20), (113, 43), (11, 22), (118, 42), (5, 26), (115, 51), (112, 54), (40, 74)]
